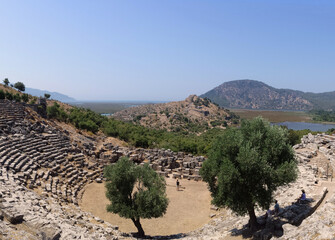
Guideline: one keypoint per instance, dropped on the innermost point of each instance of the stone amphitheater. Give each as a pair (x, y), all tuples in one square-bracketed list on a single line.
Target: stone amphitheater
[(44, 170)]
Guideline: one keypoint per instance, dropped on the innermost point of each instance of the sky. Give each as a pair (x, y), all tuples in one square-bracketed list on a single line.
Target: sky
[(165, 50)]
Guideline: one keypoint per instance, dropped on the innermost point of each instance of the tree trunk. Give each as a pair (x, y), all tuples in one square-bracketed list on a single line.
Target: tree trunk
[(138, 225), (253, 224)]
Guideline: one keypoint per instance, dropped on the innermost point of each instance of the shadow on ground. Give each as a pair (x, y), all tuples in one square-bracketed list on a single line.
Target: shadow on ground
[(273, 227), (293, 214)]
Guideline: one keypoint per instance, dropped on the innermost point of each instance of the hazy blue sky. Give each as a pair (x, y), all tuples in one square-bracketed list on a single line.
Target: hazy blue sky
[(166, 50)]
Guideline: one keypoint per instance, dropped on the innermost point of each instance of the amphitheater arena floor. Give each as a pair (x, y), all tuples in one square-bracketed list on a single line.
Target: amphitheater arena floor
[(188, 209)]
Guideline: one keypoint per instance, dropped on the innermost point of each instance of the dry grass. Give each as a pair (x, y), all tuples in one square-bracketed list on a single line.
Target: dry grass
[(9, 89), (274, 116)]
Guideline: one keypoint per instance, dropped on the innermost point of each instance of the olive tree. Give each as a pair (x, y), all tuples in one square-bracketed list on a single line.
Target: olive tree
[(135, 192), (6, 81), (20, 86), (247, 164)]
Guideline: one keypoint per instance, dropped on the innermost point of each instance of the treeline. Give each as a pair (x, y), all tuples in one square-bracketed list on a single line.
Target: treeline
[(139, 136), (11, 96), (16, 96), (82, 118), (135, 135), (294, 136), (323, 116)]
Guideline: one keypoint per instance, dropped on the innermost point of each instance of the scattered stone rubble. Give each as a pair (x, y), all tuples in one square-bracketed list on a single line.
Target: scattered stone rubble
[(165, 162), (311, 146), (41, 217)]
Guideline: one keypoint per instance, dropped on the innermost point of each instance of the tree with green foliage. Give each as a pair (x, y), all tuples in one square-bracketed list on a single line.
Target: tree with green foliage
[(86, 119), (330, 131), (9, 96), (135, 192), (25, 97), (2, 94), (323, 116), (55, 111), (33, 100), (17, 97), (20, 86), (247, 164), (6, 81), (47, 95)]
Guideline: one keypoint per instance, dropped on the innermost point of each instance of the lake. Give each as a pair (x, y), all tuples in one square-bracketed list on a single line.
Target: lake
[(305, 125)]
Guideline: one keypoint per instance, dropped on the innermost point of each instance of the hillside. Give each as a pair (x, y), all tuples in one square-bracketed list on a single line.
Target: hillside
[(51, 174), (194, 114), (251, 94)]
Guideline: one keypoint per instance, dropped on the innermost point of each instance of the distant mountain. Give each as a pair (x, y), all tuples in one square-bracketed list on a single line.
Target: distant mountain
[(54, 95), (251, 94), (194, 114)]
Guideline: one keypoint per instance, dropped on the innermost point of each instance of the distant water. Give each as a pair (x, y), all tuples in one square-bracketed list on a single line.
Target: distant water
[(304, 125)]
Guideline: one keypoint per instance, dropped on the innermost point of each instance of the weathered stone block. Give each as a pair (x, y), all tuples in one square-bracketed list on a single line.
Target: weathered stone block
[(12, 217)]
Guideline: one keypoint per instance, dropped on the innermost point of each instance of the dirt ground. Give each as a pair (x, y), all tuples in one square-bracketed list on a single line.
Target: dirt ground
[(189, 209)]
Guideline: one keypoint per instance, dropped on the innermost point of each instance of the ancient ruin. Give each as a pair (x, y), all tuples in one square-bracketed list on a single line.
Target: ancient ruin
[(43, 171)]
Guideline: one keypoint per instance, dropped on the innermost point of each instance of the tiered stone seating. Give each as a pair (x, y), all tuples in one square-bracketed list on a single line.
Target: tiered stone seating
[(44, 159), (11, 111)]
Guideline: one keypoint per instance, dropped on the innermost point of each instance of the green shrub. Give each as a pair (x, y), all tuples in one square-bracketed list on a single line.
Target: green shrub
[(25, 97), (9, 96), (2, 94), (17, 97)]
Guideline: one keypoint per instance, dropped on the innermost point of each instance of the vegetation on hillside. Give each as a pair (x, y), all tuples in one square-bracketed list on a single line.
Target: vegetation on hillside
[(294, 136), (250, 94), (135, 192), (8, 92), (247, 164), (323, 116), (192, 115), (136, 135), (139, 136), (325, 101), (14, 96)]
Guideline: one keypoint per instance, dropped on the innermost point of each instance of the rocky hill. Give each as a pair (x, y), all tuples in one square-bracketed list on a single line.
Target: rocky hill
[(193, 114), (250, 94)]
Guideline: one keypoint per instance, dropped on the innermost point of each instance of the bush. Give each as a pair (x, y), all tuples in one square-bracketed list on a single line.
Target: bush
[(2, 94), (9, 96), (25, 97), (17, 97), (88, 125)]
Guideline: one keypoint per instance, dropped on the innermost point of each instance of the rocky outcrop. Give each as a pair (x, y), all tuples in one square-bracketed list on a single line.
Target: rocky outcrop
[(178, 116)]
